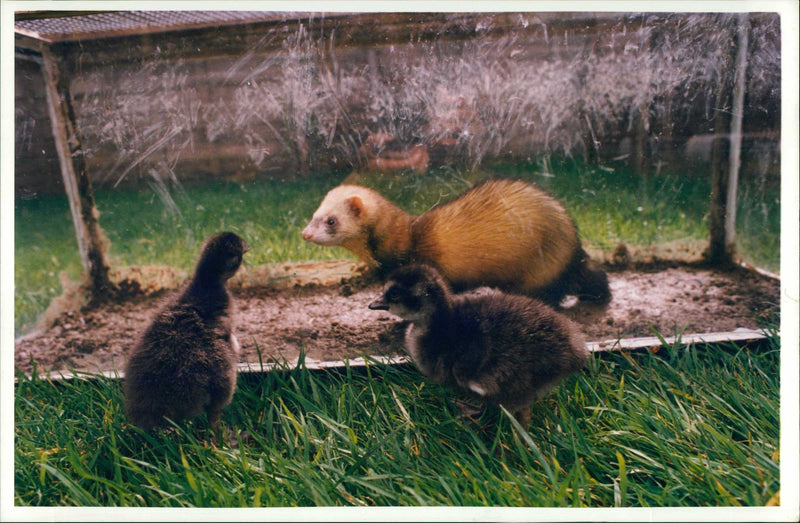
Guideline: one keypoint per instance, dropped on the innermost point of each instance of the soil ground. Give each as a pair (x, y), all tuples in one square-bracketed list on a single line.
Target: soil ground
[(322, 310)]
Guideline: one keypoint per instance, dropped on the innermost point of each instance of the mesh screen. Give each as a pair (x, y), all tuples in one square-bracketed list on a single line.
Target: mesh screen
[(133, 22)]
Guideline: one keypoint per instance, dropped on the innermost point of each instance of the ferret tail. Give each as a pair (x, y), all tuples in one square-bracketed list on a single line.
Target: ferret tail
[(582, 278), (589, 279)]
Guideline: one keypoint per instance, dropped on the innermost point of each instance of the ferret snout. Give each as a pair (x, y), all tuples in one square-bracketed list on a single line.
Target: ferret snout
[(379, 305), (307, 234)]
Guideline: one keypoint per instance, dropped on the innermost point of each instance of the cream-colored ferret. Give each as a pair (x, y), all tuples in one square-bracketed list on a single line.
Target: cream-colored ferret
[(501, 233)]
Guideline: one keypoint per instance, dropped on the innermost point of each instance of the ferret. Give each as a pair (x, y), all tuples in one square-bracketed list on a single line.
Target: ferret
[(416, 159), (185, 361), (506, 349), (384, 153), (501, 233)]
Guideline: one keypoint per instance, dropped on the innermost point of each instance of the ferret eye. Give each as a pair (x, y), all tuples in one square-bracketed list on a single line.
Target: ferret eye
[(331, 222)]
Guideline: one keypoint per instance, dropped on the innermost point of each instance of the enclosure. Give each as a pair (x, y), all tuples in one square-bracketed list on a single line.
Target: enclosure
[(140, 133)]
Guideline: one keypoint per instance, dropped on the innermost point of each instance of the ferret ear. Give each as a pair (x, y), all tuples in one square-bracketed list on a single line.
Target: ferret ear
[(355, 205)]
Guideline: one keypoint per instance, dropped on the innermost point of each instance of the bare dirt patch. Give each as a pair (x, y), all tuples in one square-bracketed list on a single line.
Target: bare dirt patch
[(321, 309)]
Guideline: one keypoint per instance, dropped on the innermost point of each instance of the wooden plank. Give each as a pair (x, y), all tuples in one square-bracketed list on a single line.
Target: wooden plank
[(726, 154), (737, 115), (653, 343), (717, 253), (23, 40), (760, 272), (342, 29), (739, 336), (20, 54), (76, 178)]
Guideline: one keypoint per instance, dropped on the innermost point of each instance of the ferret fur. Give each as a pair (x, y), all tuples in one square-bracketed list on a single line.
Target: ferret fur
[(185, 361), (501, 233), (506, 349)]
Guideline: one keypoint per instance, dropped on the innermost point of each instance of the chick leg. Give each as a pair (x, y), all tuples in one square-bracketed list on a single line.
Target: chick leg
[(213, 418), (523, 416), (467, 410)]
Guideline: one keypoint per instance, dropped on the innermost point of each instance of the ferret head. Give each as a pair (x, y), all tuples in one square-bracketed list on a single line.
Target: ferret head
[(340, 217), (221, 256), (414, 293)]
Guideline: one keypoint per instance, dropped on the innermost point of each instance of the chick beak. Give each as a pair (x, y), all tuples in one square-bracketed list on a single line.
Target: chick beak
[(245, 247), (379, 305)]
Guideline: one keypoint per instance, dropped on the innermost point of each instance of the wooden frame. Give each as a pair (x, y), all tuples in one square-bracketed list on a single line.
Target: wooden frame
[(91, 239)]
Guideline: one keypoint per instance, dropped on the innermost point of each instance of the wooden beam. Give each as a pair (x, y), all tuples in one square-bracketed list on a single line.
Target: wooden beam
[(726, 152), (349, 30), (741, 337), (717, 252), (91, 239), (27, 42), (22, 54), (737, 115)]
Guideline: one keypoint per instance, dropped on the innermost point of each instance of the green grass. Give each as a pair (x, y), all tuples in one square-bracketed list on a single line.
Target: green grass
[(758, 225), (270, 214), (692, 426), (44, 246), (146, 229)]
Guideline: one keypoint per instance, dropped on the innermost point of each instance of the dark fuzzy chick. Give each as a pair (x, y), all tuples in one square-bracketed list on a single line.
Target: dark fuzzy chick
[(185, 362), (508, 350)]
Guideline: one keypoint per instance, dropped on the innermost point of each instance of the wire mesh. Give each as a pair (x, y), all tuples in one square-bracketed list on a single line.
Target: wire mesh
[(96, 25)]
